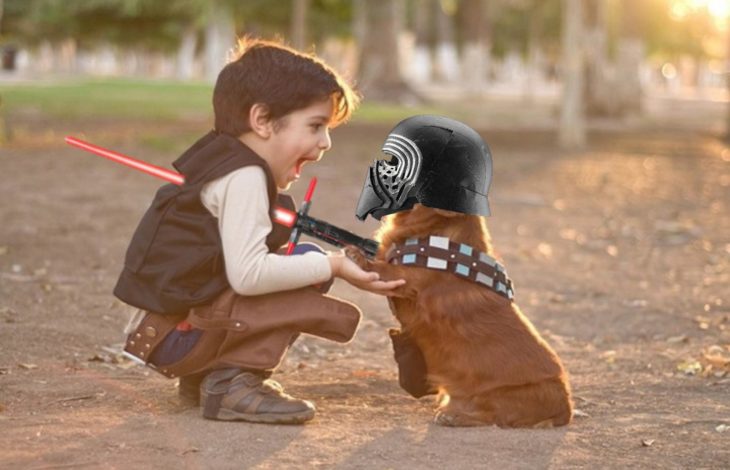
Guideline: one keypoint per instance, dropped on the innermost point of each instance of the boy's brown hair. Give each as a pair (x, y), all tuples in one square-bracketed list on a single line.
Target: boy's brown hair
[(280, 78)]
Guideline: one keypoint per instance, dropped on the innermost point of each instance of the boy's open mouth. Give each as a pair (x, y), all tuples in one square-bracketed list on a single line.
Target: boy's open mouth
[(299, 165)]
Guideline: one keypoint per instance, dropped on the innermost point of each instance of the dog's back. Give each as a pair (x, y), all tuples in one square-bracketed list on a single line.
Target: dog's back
[(481, 351)]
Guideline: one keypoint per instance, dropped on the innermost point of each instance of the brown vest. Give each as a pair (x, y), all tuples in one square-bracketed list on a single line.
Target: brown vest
[(175, 259)]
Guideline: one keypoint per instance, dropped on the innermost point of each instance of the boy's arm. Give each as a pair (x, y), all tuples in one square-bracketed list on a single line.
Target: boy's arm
[(240, 202)]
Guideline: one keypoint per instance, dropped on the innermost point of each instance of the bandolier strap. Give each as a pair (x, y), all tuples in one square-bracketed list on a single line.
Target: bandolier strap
[(442, 254)]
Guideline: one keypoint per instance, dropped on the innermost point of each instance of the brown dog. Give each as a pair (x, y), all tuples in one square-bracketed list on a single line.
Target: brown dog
[(488, 362)]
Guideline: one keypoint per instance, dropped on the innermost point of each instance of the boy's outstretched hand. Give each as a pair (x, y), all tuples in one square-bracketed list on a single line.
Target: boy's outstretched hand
[(348, 270)]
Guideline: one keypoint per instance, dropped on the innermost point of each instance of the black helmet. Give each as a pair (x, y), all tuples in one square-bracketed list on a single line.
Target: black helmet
[(437, 161)]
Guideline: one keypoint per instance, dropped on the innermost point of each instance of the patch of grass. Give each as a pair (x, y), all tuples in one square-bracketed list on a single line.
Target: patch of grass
[(147, 100), (133, 99)]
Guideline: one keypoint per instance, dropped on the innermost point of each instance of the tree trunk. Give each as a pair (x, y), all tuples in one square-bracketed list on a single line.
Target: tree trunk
[(476, 44), (630, 52), (220, 36), (421, 66), (598, 97), (447, 57), (300, 8), (4, 127), (379, 71), (186, 53), (359, 21), (534, 53), (359, 27), (727, 123), (572, 133), (66, 56), (727, 80)]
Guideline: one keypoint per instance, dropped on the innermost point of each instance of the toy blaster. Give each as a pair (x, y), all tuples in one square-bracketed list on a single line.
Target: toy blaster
[(300, 222)]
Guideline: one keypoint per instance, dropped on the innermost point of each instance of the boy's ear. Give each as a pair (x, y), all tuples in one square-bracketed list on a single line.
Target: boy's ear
[(258, 118)]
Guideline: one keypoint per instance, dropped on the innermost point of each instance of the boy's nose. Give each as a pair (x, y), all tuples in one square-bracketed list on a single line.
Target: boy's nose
[(325, 142)]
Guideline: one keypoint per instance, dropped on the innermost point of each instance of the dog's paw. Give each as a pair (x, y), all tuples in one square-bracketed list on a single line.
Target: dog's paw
[(451, 419), (357, 256)]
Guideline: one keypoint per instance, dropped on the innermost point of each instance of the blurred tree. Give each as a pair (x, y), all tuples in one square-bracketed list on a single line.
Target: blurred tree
[(186, 52), (421, 67), (380, 78), (220, 36), (300, 8), (330, 18), (474, 25), (727, 80), (530, 29), (71, 25), (572, 132), (512, 21), (670, 33), (447, 57), (129, 23), (630, 53), (323, 18), (3, 128), (359, 22), (542, 39), (599, 100)]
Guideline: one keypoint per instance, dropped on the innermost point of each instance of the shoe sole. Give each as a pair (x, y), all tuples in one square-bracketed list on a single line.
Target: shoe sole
[(268, 418)]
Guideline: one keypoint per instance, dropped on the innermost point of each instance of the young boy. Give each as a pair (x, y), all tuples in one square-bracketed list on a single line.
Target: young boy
[(218, 303)]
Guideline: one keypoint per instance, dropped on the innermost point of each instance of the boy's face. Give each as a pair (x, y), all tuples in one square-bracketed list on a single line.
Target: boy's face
[(300, 137)]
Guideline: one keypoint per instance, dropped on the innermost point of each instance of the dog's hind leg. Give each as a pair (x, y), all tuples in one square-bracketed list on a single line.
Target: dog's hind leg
[(462, 412), (541, 404)]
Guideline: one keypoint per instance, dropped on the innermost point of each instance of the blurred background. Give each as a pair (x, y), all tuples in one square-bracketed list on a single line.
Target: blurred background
[(558, 64), (607, 121)]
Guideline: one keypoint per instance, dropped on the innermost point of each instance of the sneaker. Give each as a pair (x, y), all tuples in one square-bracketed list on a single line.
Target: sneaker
[(232, 395)]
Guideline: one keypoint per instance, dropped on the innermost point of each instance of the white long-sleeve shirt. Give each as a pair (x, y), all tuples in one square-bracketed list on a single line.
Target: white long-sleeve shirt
[(240, 202)]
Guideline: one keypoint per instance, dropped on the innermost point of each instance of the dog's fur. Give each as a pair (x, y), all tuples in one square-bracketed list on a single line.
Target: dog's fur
[(489, 363)]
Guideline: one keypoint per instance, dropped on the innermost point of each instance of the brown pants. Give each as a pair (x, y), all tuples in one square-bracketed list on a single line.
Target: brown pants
[(250, 332)]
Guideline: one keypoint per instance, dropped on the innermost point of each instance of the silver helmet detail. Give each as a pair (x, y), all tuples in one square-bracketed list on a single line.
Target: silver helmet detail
[(398, 176)]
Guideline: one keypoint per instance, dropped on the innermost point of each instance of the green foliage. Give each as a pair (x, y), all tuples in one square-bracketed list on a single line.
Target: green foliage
[(159, 25), (330, 18), (670, 37), (153, 25), (273, 19), (512, 22)]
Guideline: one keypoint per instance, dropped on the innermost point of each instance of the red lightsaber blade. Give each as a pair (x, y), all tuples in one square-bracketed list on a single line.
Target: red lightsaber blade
[(162, 173), (294, 237)]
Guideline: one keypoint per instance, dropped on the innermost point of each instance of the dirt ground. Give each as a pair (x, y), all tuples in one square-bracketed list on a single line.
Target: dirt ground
[(620, 256)]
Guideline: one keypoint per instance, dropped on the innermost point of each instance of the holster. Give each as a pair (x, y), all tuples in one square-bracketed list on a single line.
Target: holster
[(254, 332), (150, 330), (412, 369)]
